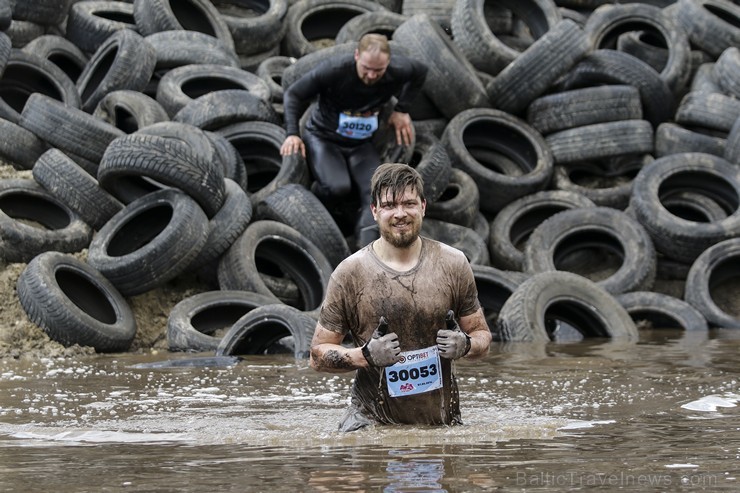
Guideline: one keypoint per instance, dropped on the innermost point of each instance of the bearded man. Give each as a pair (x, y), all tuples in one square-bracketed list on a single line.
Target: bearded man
[(410, 306)]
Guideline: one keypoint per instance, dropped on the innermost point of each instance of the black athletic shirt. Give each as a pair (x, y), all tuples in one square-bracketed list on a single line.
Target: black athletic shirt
[(340, 89)]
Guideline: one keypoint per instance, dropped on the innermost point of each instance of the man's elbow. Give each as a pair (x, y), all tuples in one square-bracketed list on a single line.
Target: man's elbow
[(314, 359)]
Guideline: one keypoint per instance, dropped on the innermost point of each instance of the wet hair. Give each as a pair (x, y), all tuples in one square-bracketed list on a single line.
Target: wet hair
[(395, 178), (374, 42)]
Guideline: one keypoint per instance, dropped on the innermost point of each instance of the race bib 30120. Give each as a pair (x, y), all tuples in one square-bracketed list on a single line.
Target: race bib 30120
[(357, 127)]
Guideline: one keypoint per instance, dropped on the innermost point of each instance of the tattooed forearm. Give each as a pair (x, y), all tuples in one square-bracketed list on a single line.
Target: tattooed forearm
[(331, 360)]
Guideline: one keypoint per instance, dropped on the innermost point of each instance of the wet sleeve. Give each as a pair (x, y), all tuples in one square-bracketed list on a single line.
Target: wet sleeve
[(417, 76), (297, 98), (469, 302), (333, 314)]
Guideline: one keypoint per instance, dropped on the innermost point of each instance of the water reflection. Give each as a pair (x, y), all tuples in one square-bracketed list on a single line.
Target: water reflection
[(412, 474), (657, 415)]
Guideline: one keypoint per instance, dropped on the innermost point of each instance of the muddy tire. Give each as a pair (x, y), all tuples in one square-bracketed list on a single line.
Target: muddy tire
[(75, 304), (271, 71), (184, 84), (20, 148), (67, 128), (580, 107), (124, 61), (708, 110), (671, 138), (512, 226), (26, 74), (61, 52), (276, 249), (440, 11), (176, 49), (606, 23), (258, 143), (219, 109), (709, 175), (662, 311), (24, 201), (294, 205), (716, 267), (725, 71), (129, 111), (563, 237), (606, 183), (614, 67), (494, 288), (693, 206), (311, 21), (44, 12), (732, 145), (225, 226), (149, 242), (506, 157), (231, 161), (74, 187), (381, 22), (198, 322), (274, 328), (130, 159), (712, 25), (480, 43), (451, 82), (90, 23), (196, 139), (530, 74), (153, 16), (431, 161), (553, 303), (6, 14), (459, 201), (259, 27), (23, 32), (601, 140)]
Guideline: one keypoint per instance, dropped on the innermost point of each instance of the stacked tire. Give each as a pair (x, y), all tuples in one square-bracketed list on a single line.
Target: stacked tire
[(579, 155)]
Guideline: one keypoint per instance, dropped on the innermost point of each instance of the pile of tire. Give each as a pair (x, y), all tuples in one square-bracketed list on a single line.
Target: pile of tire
[(578, 152)]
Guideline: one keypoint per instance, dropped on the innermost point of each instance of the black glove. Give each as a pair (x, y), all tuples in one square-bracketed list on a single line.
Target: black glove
[(452, 342), (382, 349)]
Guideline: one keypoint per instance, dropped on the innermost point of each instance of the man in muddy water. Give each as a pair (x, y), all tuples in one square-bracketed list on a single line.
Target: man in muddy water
[(338, 135), (410, 305)]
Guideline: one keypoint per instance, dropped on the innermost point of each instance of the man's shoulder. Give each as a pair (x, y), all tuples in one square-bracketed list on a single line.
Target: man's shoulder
[(402, 62), (336, 63), (354, 261), (440, 249)]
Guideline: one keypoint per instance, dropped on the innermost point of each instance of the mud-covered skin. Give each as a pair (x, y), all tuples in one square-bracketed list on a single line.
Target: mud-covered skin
[(332, 359), (415, 304)]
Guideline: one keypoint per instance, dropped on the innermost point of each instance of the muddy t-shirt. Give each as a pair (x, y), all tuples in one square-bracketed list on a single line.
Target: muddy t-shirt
[(415, 302)]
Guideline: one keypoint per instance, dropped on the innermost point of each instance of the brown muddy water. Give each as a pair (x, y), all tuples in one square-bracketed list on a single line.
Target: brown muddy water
[(656, 415)]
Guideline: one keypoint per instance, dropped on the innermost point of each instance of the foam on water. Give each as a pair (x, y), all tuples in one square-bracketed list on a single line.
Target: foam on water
[(710, 403)]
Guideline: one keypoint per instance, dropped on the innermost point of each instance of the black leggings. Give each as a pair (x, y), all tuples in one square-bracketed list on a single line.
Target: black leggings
[(336, 167)]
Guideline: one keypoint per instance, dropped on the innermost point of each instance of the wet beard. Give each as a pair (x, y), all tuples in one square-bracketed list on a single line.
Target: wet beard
[(401, 240)]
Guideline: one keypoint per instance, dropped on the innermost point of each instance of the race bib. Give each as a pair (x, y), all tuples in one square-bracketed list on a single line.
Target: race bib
[(417, 372), (357, 127)]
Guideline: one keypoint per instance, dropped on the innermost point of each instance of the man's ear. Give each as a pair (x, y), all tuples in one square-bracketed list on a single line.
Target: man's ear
[(357, 54)]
